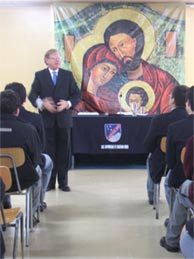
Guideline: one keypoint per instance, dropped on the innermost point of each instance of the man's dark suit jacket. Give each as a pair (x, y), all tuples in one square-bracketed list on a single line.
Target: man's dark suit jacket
[(158, 129), (24, 136), (177, 136), (65, 89)]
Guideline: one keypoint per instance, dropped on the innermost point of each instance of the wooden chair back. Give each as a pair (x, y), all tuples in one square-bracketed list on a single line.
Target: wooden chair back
[(12, 156), (5, 175), (163, 144), (183, 154), (12, 217)]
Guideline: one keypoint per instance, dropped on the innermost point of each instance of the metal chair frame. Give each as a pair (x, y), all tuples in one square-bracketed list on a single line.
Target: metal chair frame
[(11, 217), (190, 213), (173, 191), (156, 205), (14, 157)]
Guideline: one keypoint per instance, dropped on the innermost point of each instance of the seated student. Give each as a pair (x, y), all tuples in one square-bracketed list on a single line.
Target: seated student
[(36, 120), (158, 128), (23, 135), (187, 236), (184, 200), (177, 135)]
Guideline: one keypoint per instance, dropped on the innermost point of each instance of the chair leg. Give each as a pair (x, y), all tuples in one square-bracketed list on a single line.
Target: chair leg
[(3, 217), (41, 198), (15, 238), (27, 218), (37, 213), (155, 188), (30, 209), (157, 200), (22, 234)]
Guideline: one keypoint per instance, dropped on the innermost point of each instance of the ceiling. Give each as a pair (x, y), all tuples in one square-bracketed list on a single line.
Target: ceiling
[(4, 3), (55, 1)]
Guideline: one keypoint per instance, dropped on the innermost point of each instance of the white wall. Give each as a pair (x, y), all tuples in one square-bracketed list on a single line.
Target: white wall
[(25, 34)]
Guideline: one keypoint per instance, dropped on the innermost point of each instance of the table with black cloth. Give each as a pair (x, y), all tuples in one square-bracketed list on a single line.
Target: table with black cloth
[(89, 136)]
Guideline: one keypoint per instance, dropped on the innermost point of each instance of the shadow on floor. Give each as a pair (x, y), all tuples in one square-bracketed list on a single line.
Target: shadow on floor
[(110, 161)]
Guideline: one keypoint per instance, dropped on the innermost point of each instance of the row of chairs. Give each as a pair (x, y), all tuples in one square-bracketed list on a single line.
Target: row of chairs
[(157, 185), (11, 217), (12, 158)]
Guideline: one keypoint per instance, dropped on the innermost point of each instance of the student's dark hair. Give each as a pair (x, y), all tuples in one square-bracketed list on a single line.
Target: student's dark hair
[(140, 91), (127, 27), (190, 96), (179, 94), (19, 89), (9, 102)]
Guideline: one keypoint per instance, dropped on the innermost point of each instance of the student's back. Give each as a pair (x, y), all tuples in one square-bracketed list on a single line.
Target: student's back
[(15, 133), (178, 134), (158, 129), (36, 120)]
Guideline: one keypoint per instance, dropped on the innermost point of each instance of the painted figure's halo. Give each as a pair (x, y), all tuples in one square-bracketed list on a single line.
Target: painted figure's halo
[(136, 83), (97, 36)]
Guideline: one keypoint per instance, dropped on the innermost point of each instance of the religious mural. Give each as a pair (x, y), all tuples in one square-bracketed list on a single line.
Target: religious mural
[(125, 57)]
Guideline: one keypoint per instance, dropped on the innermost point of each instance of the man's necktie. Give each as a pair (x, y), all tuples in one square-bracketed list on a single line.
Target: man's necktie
[(54, 77)]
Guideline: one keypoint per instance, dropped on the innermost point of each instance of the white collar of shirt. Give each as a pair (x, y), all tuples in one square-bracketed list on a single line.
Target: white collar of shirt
[(51, 71)]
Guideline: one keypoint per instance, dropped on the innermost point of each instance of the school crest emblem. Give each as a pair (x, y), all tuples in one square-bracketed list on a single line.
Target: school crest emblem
[(112, 132)]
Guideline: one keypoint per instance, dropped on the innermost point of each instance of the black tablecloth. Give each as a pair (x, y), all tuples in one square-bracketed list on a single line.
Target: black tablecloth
[(109, 134)]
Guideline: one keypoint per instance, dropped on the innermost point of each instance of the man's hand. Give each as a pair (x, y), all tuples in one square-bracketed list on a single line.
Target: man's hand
[(49, 105), (62, 105)]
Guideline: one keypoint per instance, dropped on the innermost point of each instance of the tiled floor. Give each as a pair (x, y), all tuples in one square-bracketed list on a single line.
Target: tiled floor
[(106, 216)]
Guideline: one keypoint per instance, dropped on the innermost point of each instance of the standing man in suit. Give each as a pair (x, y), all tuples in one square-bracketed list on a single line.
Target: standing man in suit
[(158, 129), (54, 92)]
